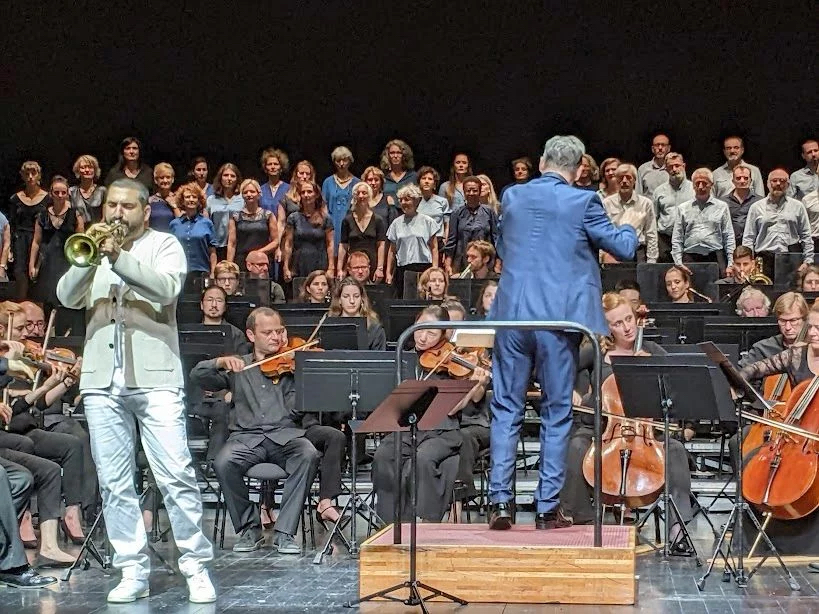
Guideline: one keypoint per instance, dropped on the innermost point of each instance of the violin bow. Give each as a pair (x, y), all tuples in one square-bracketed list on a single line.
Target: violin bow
[(46, 340), (318, 326), (440, 362), (6, 389)]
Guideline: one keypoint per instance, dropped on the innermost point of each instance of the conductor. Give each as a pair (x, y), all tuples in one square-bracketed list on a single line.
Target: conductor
[(549, 240)]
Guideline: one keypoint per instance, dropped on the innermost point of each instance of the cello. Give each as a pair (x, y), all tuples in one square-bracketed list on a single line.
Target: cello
[(781, 476), (633, 459)]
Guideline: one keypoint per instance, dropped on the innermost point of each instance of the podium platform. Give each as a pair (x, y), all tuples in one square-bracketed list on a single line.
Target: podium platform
[(521, 565)]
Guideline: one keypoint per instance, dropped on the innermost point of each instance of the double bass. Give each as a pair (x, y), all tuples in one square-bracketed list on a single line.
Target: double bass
[(781, 476), (633, 459)]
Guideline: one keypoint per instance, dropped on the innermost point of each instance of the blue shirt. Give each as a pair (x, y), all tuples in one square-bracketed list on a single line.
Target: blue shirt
[(391, 185), (338, 201), (219, 208), (197, 237), (270, 200), (161, 213)]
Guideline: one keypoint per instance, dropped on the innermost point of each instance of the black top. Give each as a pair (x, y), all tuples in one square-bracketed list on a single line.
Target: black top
[(22, 217), (364, 241), (53, 263), (376, 337), (309, 244), (263, 408), (386, 209), (793, 362), (145, 176), (252, 232)]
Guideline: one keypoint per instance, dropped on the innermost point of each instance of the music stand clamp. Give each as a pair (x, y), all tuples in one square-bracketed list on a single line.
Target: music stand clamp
[(414, 405), (673, 387), (744, 395)]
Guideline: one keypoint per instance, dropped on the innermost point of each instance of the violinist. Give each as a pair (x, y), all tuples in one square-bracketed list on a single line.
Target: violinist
[(315, 289), (35, 320), (436, 476), (433, 284), (264, 428), (629, 289), (350, 301), (576, 493), (486, 298), (214, 306), (61, 448)]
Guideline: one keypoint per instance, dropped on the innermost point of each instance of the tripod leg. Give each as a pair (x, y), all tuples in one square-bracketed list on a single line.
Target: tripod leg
[(792, 583), (439, 593), (718, 549), (382, 594), (768, 517), (683, 536), (328, 545)]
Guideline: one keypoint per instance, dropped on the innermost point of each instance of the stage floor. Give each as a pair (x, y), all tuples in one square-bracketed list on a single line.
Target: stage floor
[(265, 581)]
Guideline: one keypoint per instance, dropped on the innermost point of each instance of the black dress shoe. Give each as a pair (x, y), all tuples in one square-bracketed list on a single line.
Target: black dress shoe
[(500, 516), (813, 567), (26, 579), (552, 520)]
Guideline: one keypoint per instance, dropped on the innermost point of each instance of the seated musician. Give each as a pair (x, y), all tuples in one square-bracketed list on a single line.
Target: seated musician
[(486, 298), (315, 289), (258, 267), (630, 290), (214, 307), (744, 266), (808, 279), (350, 301), (576, 494), (790, 310), (358, 267), (226, 275), (433, 284), (480, 257), (435, 482), (678, 286), (753, 303), (263, 429)]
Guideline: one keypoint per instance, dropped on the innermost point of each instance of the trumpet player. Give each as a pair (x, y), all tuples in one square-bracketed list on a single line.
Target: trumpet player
[(132, 374)]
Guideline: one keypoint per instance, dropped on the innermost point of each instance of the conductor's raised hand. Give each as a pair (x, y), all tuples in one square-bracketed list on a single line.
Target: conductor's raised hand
[(230, 363)]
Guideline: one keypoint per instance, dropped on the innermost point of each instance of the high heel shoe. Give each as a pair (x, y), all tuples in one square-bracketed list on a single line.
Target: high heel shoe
[(323, 520), (68, 536), (30, 544)]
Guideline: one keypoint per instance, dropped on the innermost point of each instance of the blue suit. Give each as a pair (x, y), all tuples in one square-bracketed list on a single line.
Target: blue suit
[(550, 235)]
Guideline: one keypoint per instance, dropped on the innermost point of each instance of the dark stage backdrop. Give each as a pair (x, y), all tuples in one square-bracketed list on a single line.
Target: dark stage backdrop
[(226, 79)]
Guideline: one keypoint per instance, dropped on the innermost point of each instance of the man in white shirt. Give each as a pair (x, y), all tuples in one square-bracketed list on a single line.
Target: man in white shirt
[(734, 148), (626, 198), (805, 180), (132, 374), (651, 174)]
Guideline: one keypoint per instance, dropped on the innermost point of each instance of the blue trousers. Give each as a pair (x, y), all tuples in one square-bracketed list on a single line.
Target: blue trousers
[(553, 356)]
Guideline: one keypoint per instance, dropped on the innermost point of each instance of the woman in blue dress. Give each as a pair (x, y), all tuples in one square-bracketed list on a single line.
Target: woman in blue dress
[(337, 189)]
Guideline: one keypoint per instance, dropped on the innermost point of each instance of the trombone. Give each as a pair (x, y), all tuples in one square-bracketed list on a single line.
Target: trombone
[(82, 249)]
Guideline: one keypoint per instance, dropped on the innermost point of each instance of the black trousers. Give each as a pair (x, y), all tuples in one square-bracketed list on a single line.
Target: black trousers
[(47, 482), (298, 457), (437, 468), (576, 495), (717, 256), (216, 411), (15, 492), (474, 439), (332, 444), (664, 247), (66, 451), (70, 426)]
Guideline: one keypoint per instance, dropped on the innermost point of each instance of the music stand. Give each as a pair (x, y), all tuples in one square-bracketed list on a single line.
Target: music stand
[(745, 394), (670, 388), (336, 333), (742, 331), (328, 381), (414, 405), (89, 548), (401, 315)]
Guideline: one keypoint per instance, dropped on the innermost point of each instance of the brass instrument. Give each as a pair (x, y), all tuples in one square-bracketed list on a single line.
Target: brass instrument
[(707, 299), (758, 277), (465, 274), (82, 249)]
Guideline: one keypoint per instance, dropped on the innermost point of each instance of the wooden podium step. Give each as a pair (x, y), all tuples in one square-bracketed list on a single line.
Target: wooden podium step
[(521, 565)]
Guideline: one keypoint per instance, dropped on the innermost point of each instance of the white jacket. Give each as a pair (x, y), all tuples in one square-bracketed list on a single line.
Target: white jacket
[(153, 271)]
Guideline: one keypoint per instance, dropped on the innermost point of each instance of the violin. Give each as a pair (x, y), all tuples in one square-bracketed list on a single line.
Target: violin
[(446, 358), (54, 356), (284, 361)]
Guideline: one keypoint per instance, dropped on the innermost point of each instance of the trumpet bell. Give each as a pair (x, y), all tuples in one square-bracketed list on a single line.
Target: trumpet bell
[(81, 250)]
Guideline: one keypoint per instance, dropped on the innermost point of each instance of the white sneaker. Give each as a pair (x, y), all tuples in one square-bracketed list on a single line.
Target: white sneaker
[(128, 590), (200, 588)]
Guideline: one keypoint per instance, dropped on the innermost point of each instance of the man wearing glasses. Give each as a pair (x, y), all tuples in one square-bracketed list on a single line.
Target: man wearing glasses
[(651, 174), (790, 310)]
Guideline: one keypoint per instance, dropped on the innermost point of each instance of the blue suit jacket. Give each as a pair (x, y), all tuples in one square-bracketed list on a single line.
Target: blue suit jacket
[(550, 234)]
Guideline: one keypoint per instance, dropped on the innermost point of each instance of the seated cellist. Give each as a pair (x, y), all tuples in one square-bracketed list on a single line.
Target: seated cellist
[(576, 495)]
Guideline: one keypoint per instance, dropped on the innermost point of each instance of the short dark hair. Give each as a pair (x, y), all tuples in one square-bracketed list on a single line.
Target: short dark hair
[(627, 284), (743, 251)]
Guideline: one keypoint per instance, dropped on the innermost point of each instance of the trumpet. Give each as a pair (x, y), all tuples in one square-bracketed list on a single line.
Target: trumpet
[(757, 276), (82, 249)]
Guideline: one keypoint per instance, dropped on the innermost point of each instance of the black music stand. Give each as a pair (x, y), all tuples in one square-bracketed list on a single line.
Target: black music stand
[(745, 395), (414, 405), (671, 388), (326, 382), (90, 549)]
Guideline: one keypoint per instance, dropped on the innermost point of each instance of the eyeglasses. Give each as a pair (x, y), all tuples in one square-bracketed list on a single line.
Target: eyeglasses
[(226, 278), (32, 324), (215, 301), (789, 322)]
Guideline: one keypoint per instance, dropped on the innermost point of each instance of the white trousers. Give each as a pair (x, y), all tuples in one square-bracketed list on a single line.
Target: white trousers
[(112, 422)]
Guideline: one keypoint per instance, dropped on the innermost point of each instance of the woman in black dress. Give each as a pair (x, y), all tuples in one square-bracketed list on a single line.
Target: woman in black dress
[(308, 239), (252, 228), (130, 165), (385, 205), (363, 230), (303, 171), (24, 208), (87, 197), (47, 262)]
